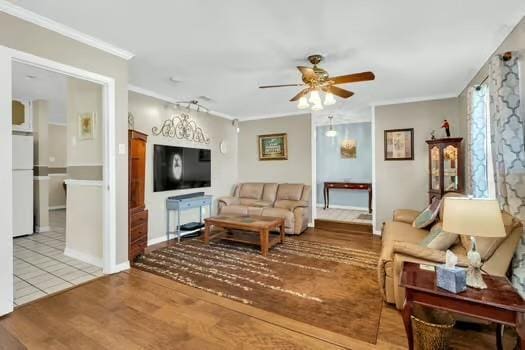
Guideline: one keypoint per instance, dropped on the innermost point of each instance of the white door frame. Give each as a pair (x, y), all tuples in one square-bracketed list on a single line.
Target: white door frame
[(7, 57)]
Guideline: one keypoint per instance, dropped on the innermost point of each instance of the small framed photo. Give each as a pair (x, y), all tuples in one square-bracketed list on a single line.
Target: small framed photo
[(273, 147), (86, 126), (399, 144)]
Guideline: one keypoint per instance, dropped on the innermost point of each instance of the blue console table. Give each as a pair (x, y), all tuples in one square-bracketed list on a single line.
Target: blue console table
[(181, 204)]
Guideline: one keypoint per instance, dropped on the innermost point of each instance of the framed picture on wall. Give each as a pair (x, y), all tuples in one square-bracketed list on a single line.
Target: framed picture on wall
[(86, 126), (399, 144), (273, 147)]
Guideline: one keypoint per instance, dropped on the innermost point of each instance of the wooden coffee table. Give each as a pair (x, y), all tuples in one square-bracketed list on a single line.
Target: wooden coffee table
[(261, 225)]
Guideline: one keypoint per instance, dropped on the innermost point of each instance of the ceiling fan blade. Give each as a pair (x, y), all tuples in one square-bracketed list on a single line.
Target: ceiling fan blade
[(300, 94), (353, 78), (338, 91), (274, 86), (308, 73)]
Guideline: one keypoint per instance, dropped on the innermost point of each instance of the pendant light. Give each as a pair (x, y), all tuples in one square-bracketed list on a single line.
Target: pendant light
[(331, 132), (303, 103), (329, 99)]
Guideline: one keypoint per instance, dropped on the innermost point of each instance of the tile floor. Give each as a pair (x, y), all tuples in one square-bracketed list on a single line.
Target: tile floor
[(347, 215), (40, 266)]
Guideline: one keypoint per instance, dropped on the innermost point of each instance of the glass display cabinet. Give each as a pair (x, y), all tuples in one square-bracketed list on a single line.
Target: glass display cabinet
[(445, 166)]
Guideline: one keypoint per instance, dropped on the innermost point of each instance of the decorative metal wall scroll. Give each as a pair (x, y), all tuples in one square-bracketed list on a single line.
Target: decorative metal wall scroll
[(183, 128)]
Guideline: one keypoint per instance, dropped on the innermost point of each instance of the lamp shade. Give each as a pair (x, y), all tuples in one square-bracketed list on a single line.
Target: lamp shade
[(474, 217)]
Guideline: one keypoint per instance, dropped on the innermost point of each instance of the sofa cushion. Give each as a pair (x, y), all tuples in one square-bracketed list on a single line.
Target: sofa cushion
[(287, 215), (429, 215), (234, 210), (290, 205), (255, 211), (270, 192), (248, 202), (438, 238), (251, 190), (399, 231), (290, 191)]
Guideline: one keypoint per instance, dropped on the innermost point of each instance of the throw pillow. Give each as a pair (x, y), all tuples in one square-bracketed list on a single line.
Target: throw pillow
[(439, 239), (427, 216)]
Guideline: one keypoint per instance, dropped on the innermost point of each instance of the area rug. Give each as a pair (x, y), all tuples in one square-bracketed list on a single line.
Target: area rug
[(365, 217), (325, 285)]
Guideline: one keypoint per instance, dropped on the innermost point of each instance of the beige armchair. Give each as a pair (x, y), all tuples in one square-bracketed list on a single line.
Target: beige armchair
[(400, 243), (288, 201)]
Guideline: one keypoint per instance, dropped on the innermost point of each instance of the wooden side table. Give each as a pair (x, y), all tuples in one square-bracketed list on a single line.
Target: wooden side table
[(499, 303), (364, 186)]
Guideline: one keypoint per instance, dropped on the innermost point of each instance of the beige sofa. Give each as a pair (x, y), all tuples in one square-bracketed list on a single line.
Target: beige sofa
[(400, 243), (288, 201)]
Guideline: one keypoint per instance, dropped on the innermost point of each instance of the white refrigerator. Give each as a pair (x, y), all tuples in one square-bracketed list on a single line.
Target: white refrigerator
[(22, 185)]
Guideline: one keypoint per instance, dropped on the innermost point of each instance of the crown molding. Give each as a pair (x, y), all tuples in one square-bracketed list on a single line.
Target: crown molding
[(39, 20), (146, 92), (412, 100)]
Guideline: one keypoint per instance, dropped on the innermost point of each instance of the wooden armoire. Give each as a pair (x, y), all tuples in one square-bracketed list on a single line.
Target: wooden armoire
[(137, 215)]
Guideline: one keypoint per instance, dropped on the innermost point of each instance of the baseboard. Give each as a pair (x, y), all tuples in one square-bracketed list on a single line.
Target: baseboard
[(377, 232), (57, 207), (311, 224), (40, 229), (348, 207), (87, 258), (120, 267), (161, 239)]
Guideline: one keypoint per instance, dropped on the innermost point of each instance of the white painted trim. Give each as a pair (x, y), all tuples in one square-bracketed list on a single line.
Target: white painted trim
[(41, 178), (412, 100), (57, 207), (163, 238), (88, 183), (171, 100), (87, 258), (39, 20), (120, 267), (84, 164), (311, 224), (57, 174), (40, 229), (313, 151), (347, 207), (276, 115), (57, 124), (374, 187), (377, 232)]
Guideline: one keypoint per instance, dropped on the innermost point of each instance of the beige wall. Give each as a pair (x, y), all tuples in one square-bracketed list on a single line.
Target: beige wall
[(57, 146), (57, 194), (150, 112), (298, 167), (84, 97), (27, 37), (404, 184)]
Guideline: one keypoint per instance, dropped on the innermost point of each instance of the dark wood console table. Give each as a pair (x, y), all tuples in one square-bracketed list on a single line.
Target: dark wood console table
[(499, 303), (347, 186)]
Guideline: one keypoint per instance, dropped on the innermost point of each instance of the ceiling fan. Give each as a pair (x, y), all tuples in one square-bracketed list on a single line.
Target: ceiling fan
[(317, 80)]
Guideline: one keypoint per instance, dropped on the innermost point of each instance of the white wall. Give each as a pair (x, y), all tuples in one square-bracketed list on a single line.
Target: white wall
[(150, 112), (404, 184)]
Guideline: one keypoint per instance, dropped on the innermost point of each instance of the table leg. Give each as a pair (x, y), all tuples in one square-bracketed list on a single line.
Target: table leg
[(370, 200), (324, 196), (178, 225), (499, 336), (168, 226), (327, 198), (282, 232), (407, 311), (206, 233), (264, 237)]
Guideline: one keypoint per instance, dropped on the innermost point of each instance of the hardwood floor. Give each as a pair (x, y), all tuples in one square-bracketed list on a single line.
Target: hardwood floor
[(138, 310)]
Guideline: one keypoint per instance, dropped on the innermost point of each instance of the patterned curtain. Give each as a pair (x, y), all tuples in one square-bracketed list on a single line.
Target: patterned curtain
[(477, 116), (507, 137)]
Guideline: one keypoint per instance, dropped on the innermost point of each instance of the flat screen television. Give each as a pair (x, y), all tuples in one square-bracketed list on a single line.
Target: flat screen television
[(177, 168)]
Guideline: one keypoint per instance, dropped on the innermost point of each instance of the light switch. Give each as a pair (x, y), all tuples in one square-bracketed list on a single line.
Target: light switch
[(121, 148)]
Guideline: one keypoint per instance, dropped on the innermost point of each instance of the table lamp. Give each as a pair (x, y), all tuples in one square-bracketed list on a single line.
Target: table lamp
[(477, 218)]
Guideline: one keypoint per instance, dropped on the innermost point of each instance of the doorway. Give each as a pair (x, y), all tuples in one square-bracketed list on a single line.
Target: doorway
[(107, 185)]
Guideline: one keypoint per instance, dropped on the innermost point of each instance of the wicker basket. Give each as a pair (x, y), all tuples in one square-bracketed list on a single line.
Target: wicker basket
[(431, 329)]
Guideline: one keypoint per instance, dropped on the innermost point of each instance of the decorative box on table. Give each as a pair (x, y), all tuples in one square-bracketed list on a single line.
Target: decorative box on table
[(453, 279)]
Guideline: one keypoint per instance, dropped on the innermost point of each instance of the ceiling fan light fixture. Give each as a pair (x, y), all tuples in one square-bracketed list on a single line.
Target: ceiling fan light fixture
[(329, 99), (303, 103), (317, 106), (314, 99)]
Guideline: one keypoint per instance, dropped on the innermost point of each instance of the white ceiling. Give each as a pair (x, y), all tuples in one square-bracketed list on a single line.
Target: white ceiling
[(31, 83), (226, 49)]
